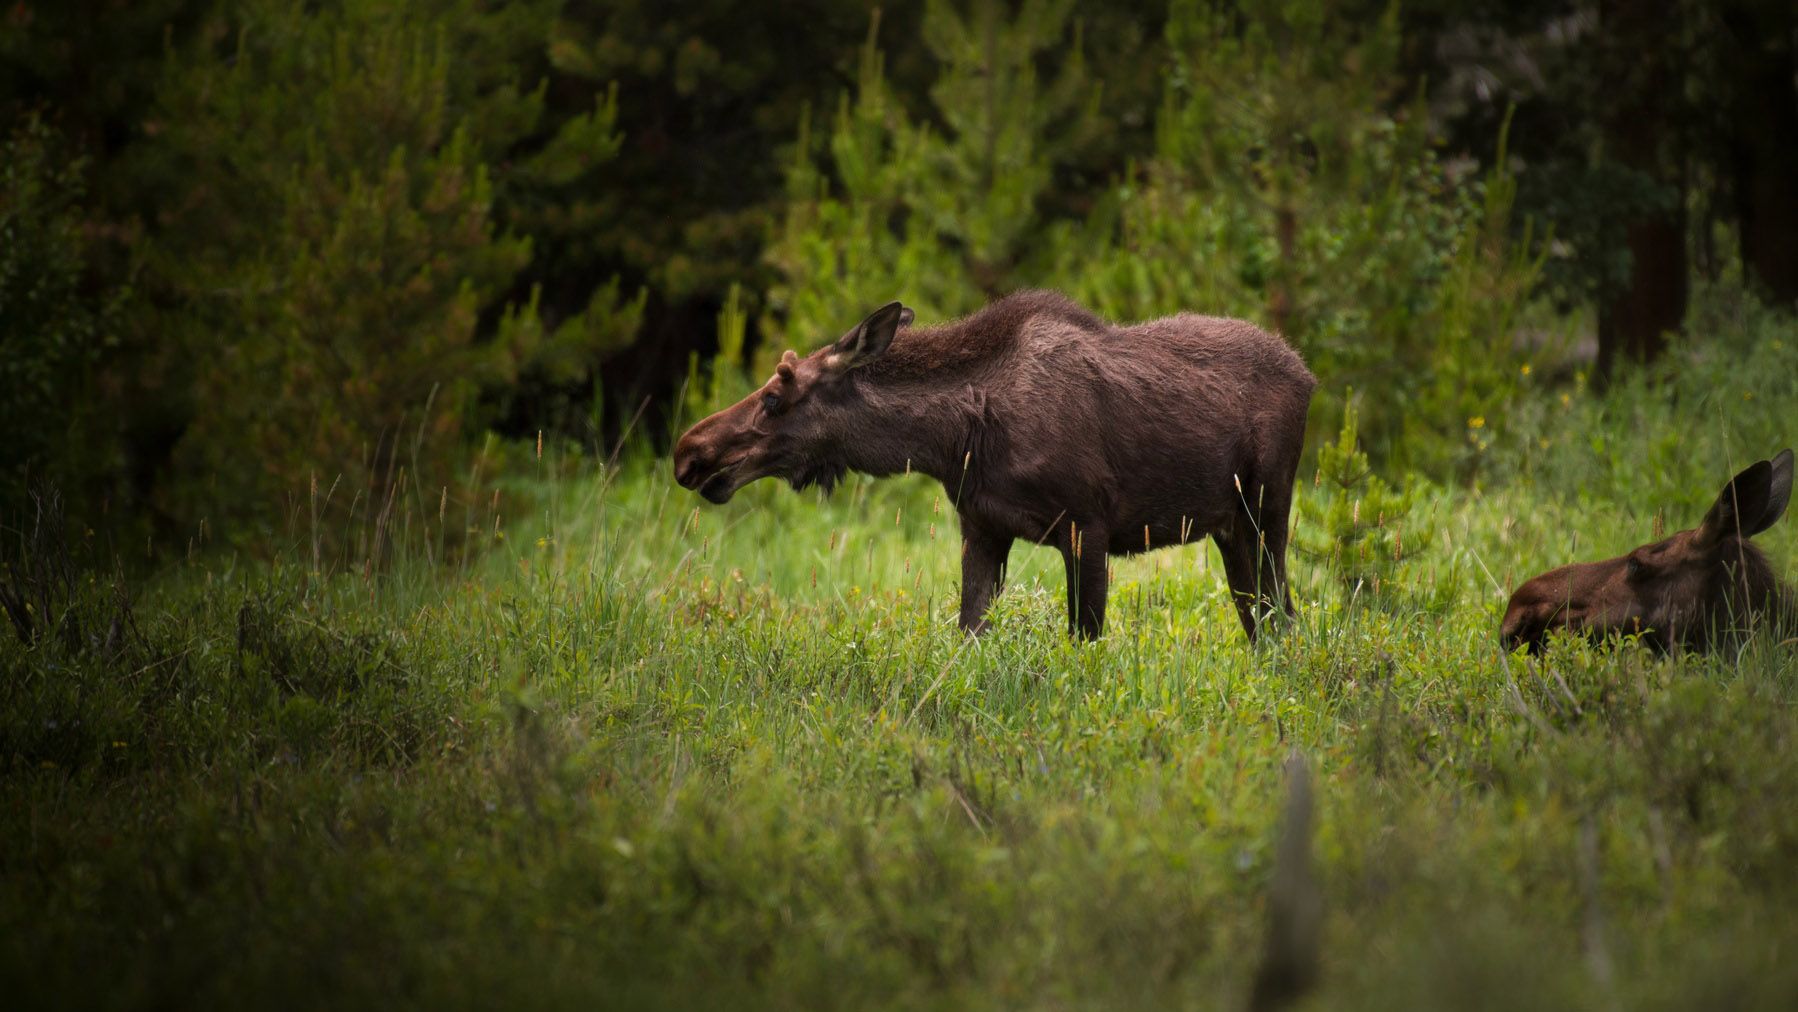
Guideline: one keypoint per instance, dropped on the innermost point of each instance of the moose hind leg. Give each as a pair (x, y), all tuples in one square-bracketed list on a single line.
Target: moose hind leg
[(1241, 573), (1271, 551)]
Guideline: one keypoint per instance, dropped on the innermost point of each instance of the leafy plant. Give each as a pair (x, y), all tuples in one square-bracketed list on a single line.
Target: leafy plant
[(54, 326), (945, 216), (1359, 528), (344, 247)]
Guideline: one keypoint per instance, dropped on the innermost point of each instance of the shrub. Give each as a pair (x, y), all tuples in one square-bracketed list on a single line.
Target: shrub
[(53, 326), (344, 249)]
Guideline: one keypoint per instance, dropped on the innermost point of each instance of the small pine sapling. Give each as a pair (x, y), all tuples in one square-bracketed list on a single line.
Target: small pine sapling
[(1359, 527)]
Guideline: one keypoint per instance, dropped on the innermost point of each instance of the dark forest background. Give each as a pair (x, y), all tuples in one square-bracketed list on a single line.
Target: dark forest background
[(248, 247)]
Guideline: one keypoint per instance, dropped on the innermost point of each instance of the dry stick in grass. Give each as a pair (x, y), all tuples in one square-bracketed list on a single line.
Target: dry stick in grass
[(1592, 928), (1289, 961)]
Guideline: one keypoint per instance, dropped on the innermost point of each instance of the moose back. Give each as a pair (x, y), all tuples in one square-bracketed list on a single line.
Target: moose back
[(1044, 424)]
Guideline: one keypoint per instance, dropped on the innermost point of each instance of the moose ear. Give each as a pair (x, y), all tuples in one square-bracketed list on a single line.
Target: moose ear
[(1751, 502), (870, 338), (1780, 494)]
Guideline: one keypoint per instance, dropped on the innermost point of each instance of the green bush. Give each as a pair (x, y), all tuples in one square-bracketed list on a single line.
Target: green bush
[(342, 248), (943, 216), (53, 326), (1358, 528), (1288, 186), (1291, 187)]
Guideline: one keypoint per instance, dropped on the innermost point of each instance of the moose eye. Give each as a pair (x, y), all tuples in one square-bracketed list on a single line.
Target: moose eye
[(771, 403), (1632, 568)]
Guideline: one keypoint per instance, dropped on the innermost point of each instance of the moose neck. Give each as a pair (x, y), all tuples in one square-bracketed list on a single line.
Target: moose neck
[(920, 424), (1749, 586)]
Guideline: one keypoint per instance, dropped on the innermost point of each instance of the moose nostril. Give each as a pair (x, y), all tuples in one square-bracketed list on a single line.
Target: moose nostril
[(687, 472)]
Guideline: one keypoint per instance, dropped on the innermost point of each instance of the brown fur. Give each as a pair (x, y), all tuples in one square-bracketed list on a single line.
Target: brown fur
[(1043, 423), (1695, 590)]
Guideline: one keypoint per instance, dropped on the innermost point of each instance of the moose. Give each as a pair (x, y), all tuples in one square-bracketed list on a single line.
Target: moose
[(1043, 423), (1695, 590)]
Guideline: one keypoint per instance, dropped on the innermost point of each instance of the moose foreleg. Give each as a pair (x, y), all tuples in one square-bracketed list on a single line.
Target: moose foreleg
[(983, 557)]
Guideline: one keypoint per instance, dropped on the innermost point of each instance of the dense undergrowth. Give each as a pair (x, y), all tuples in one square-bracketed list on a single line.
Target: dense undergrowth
[(636, 753)]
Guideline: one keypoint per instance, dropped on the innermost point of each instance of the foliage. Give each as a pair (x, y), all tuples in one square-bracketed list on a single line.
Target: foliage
[(1286, 188), (944, 216), (1664, 441), (54, 325), (1357, 526), (343, 237)]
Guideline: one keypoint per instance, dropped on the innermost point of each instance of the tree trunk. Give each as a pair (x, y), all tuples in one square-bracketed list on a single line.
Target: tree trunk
[(1633, 321), (1765, 144)]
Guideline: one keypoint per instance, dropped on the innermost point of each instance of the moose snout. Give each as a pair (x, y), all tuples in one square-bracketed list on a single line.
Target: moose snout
[(689, 468), (1520, 626), (694, 460), (700, 466), (1533, 609)]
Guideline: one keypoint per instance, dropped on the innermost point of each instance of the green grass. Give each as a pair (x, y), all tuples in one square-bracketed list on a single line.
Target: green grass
[(640, 755)]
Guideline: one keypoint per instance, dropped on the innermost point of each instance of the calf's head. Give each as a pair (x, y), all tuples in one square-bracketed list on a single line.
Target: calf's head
[(796, 425), (1682, 590)]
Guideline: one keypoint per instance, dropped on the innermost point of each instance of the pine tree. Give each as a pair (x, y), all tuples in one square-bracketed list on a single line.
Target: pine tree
[(53, 326), (344, 245), (947, 216), (1358, 526), (1288, 189)]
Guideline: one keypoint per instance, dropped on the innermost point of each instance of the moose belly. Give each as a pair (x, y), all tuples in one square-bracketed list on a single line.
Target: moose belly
[(1164, 529)]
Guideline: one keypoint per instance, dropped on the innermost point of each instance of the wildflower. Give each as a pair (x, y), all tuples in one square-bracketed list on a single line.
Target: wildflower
[(1477, 422), (1526, 369)]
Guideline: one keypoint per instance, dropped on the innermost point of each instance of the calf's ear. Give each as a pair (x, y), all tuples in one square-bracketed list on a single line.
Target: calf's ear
[(870, 338), (1781, 493), (1751, 502)]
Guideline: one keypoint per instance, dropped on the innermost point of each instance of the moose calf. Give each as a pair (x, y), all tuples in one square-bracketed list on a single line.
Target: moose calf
[(1693, 590), (1046, 424)]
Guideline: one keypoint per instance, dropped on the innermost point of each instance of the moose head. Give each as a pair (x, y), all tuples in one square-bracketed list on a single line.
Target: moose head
[(1688, 590), (795, 425)]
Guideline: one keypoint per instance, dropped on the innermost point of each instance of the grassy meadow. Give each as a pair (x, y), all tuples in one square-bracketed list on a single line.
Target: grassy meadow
[(627, 752)]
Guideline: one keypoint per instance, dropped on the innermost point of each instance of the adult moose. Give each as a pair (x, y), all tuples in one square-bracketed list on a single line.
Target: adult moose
[(1043, 423), (1693, 590)]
